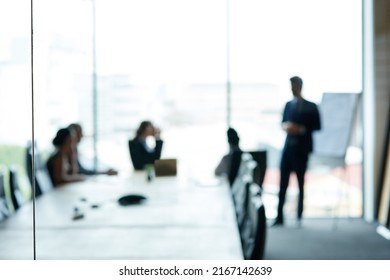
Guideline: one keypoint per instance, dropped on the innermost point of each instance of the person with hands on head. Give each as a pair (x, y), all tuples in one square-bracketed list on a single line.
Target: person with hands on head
[(141, 153)]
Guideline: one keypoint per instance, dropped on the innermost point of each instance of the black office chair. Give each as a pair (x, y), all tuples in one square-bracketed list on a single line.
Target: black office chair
[(16, 195), (249, 209), (234, 167), (240, 187), (259, 173), (4, 210), (43, 182), (240, 201), (260, 157), (254, 229)]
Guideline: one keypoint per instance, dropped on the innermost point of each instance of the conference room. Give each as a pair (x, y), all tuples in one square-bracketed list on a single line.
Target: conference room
[(193, 69)]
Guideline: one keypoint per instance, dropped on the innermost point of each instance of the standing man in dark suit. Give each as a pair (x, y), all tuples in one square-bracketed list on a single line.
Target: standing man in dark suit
[(300, 119)]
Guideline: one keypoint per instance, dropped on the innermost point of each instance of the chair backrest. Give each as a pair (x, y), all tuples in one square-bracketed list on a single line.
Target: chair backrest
[(250, 211), (42, 179), (254, 230), (16, 195), (235, 162), (259, 173), (4, 210), (239, 195), (240, 187)]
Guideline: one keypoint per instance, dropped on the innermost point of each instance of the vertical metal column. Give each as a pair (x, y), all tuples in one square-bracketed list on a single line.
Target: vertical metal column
[(228, 82), (368, 110), (33, 127), (94, 88)]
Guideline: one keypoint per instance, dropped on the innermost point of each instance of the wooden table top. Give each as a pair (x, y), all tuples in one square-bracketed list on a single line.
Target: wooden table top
[(178, 220)]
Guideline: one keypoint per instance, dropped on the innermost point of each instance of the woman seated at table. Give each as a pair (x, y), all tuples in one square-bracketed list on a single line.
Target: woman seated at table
[(141, 153), (77, 132), (229, 164), (61, 168)]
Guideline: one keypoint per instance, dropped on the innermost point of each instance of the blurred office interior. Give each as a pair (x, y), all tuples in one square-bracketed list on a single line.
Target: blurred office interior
[(195, 68)]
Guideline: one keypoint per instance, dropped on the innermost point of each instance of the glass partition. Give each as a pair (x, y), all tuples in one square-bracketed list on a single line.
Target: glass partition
[(62, 95), (272, 41), (16, 232), (163, 61), (110, 64), (152, 61)]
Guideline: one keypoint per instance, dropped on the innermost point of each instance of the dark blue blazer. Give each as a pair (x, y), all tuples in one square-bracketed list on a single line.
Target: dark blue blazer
[(304, 113), (140, 156)]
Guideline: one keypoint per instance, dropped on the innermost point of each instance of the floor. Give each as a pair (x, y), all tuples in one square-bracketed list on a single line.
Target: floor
[(326, 239), (327, 194)]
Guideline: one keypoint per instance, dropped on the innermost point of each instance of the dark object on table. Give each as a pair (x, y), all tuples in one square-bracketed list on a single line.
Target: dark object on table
[(165, 167), (77, 214), (131, 199)]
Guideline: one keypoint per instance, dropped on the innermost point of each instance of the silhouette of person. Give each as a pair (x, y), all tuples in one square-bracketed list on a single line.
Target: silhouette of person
[(300, 119), (141, 153), (230, 162), (74, 156), (60, 168)]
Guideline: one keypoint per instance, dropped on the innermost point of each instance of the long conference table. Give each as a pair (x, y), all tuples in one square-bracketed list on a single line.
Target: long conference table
[(180, 219)]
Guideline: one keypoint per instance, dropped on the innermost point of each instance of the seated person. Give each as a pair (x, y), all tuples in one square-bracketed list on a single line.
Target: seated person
[(74, 156), (141, 154), (60, 168), (229, 164)]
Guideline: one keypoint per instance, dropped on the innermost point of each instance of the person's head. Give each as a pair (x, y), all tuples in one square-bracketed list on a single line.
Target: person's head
[(63, 139), (78, 131), (145, 129), (296, 86), (233, 138)]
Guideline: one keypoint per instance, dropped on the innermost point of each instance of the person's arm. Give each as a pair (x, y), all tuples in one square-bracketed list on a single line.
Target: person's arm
[(312, 121), (289, 127), (159, 144), (294, 128), (109, 171), (316, 120), (60, 174), (85, 171), (157, 149)]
